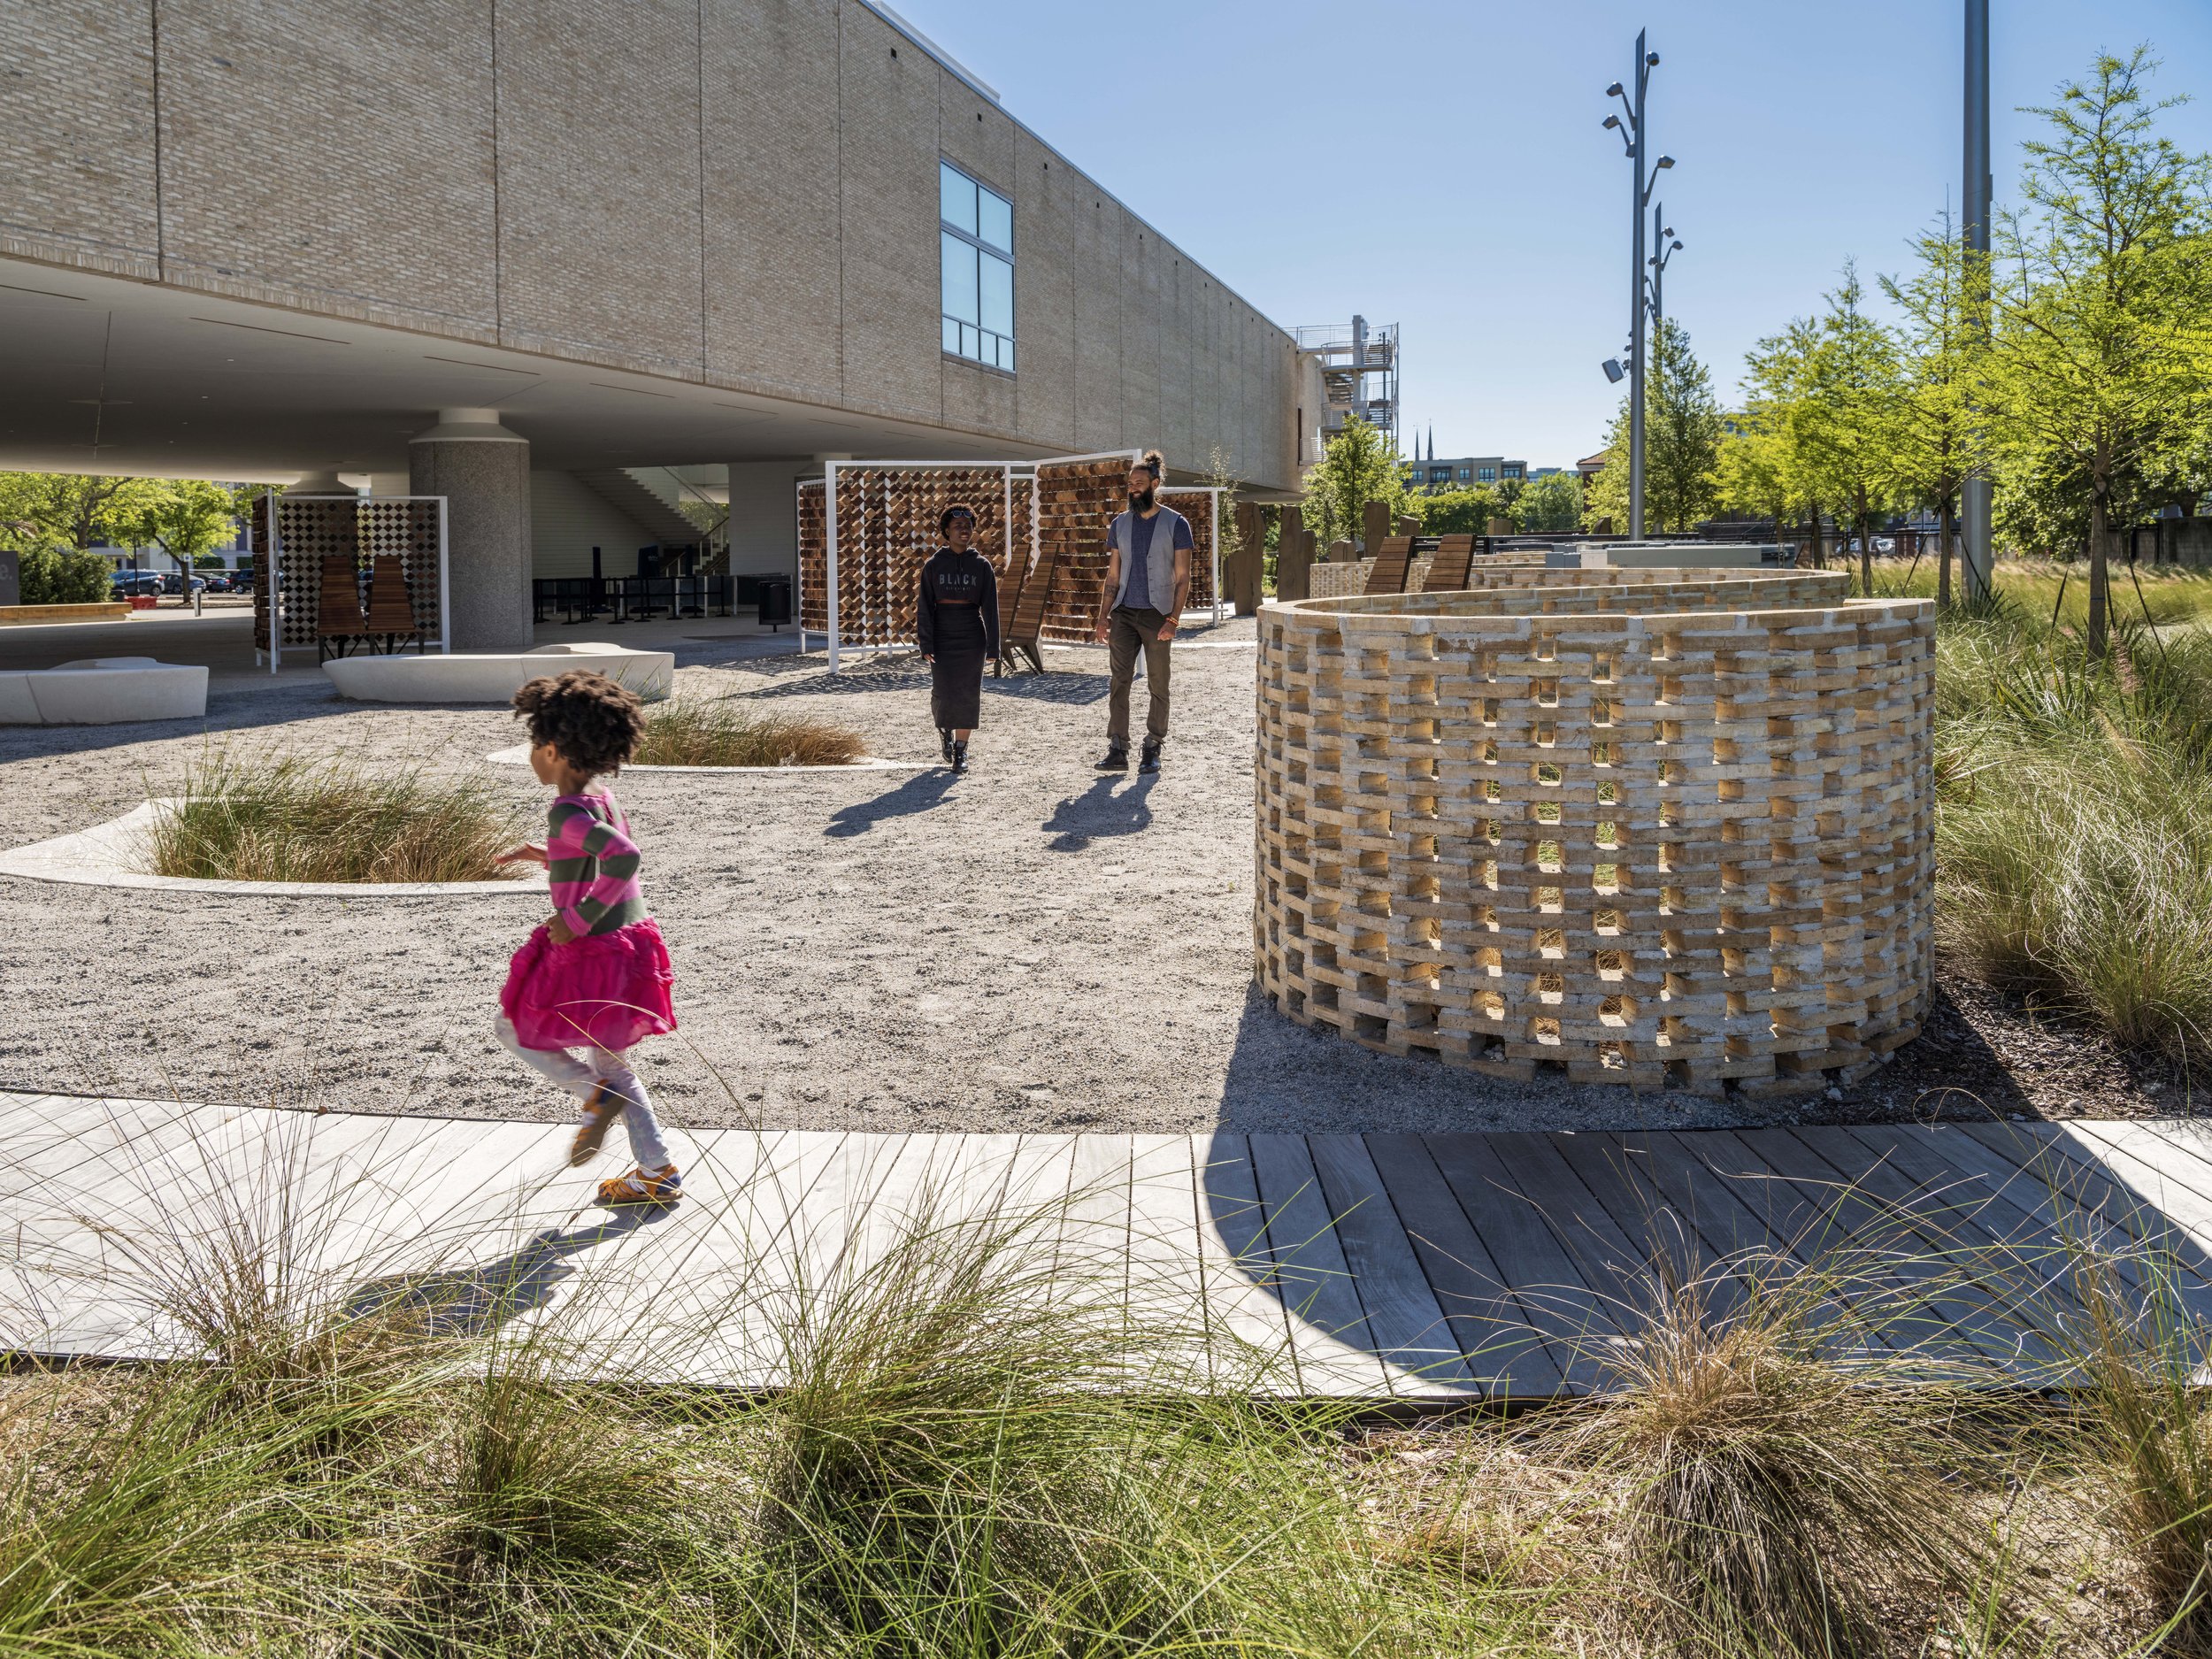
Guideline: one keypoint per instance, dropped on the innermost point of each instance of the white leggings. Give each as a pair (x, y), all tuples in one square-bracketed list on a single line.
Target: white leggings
[(580, 1078)]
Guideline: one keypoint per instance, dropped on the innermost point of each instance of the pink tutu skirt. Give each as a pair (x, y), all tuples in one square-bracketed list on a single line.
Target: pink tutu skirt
[(605, 989)]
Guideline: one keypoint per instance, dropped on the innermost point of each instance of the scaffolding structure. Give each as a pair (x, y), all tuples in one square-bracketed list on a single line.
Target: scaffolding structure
[(1359, 375)]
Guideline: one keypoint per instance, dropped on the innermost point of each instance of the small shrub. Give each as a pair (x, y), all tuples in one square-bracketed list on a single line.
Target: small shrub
[(64, 576), (691, 734), (1778, 1494), (330, 820)]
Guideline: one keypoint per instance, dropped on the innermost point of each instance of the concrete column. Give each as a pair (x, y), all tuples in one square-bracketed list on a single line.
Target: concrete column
[(322, 482), (483, 470)]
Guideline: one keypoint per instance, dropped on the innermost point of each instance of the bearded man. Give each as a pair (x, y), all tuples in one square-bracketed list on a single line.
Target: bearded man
[(1147, 578)]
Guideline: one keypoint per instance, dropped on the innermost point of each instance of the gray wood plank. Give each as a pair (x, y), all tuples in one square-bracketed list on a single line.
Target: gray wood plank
[(1496, 1338), (1902, 1216), (1673, 1250), (1329, 1332), (2077, 1196), (1252, 1350), (1511, 1224), (1412, 1335), (1615, 1267)]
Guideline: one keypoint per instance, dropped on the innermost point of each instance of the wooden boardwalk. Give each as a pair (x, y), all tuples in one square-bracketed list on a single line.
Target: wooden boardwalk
[(1419, 1266)]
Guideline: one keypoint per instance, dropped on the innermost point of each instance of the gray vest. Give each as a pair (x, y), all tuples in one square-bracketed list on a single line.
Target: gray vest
[(1159, 557)]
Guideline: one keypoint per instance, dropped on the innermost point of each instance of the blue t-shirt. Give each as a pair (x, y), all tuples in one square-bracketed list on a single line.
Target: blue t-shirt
[(1137, 593)]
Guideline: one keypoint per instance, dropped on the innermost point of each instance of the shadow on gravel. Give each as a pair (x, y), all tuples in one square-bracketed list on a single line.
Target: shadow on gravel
[(1098, 811), (916, 795), (1073, 689)]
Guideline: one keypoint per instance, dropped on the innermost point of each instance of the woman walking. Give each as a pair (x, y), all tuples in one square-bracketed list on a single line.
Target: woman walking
[(955, 618)]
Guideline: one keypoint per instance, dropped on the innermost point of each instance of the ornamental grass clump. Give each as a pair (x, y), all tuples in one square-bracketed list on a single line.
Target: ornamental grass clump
[(2074, 822), (687, 732), (294, 819), (1788, 1474)]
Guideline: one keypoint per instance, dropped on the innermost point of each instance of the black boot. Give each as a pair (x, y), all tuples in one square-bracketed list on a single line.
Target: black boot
[(944, 742), (1149, 761), (959, 758), (1117, 757)]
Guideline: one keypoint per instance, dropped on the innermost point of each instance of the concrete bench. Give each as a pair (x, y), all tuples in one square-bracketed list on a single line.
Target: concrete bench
[(104, 691), (486, 678)]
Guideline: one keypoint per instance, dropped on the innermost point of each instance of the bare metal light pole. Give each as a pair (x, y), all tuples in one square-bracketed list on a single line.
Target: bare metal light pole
[(1639, 191), (1974, 504)]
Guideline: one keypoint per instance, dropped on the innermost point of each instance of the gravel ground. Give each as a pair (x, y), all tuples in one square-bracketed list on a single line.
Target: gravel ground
[(1031, 948)]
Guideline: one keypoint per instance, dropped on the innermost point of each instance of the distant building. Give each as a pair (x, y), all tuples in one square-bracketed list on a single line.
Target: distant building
[(1590, 466), (1465, 472)]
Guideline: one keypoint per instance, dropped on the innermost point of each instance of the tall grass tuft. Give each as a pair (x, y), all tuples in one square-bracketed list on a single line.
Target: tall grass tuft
[(2074, 822), (1780, 1497), (242, 818), (690, 733)]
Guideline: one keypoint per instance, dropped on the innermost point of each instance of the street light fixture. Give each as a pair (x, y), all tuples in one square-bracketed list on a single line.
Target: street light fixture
[(1613, 370), (1641, 187), (1659, 234)]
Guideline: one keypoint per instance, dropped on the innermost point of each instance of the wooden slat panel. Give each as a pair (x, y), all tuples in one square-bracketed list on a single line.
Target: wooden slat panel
[(1243, 1300), (1411, 1336), (1336, 1351), (1494, 1334)]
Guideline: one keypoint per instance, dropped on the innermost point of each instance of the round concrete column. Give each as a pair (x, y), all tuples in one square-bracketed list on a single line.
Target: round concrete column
[(323, 482), (483, 470)]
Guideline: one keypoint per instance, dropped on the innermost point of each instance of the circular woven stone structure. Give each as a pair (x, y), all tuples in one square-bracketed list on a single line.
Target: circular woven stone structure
[(1667, 827)]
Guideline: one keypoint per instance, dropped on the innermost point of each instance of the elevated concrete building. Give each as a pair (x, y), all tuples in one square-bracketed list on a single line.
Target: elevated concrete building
[(513, 253)]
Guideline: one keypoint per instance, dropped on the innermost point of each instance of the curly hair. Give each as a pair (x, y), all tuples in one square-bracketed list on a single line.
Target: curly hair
[(944, 518), (593, 722)]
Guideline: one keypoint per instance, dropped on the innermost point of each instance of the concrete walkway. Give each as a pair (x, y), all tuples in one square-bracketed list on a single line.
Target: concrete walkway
[(1427, 1267)]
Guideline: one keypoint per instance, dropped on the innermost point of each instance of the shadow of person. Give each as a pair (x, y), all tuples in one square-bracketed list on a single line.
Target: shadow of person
[(1081, 820), (474, 1301), (917, 794)]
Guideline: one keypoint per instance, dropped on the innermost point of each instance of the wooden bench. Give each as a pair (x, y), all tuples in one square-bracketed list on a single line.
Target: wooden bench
[(1454, 566), (1393, 563)]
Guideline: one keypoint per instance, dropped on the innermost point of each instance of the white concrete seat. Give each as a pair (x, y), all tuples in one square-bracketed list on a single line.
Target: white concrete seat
[(104, 691), (488, 678)]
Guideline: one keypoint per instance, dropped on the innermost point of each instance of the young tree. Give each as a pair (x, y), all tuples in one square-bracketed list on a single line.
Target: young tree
[(1682, 433), (1357, 467), (1841, 424), (1931, 429), (186, 518), (2097, 360), (1466, 511), (1762, 470), (73, 510), (1552, 503), (1682, 438)]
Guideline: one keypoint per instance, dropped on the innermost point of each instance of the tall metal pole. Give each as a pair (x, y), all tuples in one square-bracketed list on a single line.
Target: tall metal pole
[(1636, 299), (1974, 505)]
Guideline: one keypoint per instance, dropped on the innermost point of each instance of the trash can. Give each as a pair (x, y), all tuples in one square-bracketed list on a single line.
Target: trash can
[(775, 600)]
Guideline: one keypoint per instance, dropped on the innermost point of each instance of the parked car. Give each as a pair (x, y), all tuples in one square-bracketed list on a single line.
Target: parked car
[(132, 584), (219, 584)]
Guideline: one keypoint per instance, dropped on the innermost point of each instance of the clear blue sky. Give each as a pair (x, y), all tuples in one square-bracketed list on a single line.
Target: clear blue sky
[(1439, 163)]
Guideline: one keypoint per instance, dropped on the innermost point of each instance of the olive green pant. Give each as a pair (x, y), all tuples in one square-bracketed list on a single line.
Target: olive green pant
[(1128, 630)]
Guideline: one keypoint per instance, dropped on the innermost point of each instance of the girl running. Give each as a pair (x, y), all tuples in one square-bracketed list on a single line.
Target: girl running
[(595, 976)]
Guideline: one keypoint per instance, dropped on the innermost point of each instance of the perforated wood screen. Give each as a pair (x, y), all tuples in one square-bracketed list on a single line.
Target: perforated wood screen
[(1198, 506), (1076, 504), (886, 528), (310, 529), (1655, 827)]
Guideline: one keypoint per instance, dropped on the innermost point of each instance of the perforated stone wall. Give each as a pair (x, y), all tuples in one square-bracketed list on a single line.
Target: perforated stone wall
[(1656, 826)]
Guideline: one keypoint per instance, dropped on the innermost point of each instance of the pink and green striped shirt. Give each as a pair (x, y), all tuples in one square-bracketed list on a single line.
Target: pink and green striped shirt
[(592, 864)]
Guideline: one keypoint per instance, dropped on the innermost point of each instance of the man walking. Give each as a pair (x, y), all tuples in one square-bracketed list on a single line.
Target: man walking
[(1147, 578)]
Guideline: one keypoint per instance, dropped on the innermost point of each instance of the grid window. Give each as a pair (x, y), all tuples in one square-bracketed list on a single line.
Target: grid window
[(976, 246), (1488, 475)]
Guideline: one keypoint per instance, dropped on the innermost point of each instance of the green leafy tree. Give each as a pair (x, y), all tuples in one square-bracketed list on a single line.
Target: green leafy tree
[(72, 510), (1762, 471), (1552, 503), (61, 576), (1843, 424), (1682, 433), (1460, 512), (1357, 467), (1932, 428), (186, 518), (2098, 356)]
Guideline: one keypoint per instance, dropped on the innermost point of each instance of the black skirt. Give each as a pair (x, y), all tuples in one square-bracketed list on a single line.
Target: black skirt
[(956, 680)]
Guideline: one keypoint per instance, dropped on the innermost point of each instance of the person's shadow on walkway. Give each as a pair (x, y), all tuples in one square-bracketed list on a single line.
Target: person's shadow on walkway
[(1098, 811), (917, 794), (474, 1300)]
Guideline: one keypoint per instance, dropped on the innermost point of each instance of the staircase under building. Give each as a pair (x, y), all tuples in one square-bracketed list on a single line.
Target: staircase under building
[(619, 488)]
